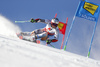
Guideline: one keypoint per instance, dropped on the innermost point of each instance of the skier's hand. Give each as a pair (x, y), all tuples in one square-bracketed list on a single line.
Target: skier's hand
[(48, 41), (32, 20)]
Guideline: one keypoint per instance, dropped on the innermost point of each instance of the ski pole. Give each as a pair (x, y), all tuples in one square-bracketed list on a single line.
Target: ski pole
[(52, 46), (21, 21)]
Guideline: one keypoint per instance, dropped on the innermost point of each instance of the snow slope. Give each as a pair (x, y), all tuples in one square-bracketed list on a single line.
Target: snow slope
[(19, 53)]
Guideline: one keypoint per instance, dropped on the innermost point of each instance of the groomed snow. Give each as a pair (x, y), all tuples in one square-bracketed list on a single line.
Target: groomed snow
[(19, 53)]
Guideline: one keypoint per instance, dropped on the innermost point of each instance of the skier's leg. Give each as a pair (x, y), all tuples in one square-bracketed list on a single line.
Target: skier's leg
[(26, 33), (39, 34), (29, 38), (43, 36)]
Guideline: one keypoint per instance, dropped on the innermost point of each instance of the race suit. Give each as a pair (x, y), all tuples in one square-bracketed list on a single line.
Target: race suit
[(52, 33)]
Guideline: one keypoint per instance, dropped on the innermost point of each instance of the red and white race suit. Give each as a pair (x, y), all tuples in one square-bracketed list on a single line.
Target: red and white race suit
[(52, 32)]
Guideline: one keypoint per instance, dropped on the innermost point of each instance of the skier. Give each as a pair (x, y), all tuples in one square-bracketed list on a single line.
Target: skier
[(48, 33)]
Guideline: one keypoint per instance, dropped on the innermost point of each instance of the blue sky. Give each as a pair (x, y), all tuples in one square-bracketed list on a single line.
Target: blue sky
[(81, 33)]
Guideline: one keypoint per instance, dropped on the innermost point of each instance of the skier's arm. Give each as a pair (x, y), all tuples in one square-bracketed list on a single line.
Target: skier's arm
[(39, 20)]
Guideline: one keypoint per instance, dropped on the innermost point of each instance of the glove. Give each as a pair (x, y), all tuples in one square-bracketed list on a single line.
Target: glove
[(48, 41), (34, 20)]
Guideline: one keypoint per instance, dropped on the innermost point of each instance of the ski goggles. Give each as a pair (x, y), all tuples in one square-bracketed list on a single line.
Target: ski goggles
[(55, 24)]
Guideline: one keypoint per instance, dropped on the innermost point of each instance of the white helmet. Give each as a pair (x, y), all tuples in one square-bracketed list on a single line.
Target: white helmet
[(55, 21)]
